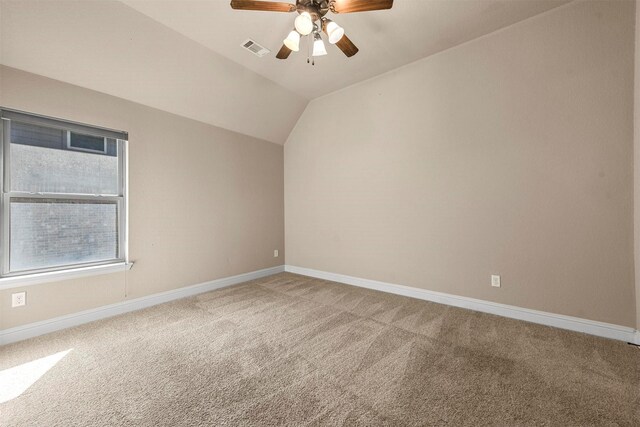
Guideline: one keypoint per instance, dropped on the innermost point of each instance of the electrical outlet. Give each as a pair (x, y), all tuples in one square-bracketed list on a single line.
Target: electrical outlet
[(495, 281), (275, 253), (18, 299)]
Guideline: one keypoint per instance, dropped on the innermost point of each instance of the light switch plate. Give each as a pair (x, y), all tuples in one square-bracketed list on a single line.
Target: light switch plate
[(495, 281)]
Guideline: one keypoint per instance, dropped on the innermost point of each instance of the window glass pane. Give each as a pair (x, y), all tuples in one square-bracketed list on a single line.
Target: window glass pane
[(87, 142), (22, 133), (41, 162), (52, 233)]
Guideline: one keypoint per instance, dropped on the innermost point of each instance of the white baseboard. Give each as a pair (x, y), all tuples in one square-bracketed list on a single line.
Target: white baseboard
[(606, 330), (30, 330)]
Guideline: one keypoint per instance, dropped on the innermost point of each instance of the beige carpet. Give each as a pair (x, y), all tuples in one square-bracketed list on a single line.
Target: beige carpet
[(290, 350)]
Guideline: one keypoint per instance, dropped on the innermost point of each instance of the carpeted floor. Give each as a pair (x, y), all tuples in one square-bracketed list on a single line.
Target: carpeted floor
[(291, 350)]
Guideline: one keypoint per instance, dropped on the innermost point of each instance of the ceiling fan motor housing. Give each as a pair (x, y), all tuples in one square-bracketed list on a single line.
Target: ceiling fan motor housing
[(316, 8)]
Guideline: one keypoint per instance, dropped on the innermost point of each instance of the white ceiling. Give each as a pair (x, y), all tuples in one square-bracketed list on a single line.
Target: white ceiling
[(388, 39), (184, 56)]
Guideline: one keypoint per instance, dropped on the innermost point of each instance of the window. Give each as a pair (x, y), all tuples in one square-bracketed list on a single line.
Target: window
[(63, 194), (93, 144)]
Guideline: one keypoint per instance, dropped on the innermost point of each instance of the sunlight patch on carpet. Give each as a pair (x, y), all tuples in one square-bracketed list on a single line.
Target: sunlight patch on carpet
[(15, 381)]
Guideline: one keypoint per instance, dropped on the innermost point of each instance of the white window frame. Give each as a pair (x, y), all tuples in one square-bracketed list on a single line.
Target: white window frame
[(88, 150), (8, 277)]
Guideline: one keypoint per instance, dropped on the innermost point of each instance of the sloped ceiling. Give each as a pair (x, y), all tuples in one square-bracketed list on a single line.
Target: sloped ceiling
[(388, 39), (184, 56), (109, 47)]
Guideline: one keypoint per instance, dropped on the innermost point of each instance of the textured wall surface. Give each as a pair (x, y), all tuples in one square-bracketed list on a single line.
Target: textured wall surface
[(511, 154), (636, 170), (205, 203)]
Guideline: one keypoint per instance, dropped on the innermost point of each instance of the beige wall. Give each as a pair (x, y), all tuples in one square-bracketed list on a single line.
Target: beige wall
[(511, 154), (636, 151), (205, 203)]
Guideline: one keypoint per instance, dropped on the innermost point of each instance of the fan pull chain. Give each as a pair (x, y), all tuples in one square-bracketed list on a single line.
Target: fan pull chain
[(309, 54)]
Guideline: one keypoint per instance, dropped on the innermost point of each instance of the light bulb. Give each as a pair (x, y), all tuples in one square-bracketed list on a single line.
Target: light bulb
[(293, 41), (334, 31), (318, 46), (304, 23)]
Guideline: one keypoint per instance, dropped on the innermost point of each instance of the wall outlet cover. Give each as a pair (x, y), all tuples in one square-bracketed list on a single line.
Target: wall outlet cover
[(18, 299)]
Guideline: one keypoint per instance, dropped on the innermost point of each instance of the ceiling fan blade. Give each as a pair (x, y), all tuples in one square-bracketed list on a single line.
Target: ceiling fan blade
[(283, 53), (350, 6), (347, 46), (267, 6)]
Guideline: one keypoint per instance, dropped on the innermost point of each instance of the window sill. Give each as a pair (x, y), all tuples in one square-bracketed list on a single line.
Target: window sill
[(56, 276)]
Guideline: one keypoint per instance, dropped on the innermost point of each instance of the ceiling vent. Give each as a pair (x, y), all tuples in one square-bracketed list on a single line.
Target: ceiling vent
[(255, 48)]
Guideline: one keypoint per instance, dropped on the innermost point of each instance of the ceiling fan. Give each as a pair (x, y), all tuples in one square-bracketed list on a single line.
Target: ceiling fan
[(311, 21)]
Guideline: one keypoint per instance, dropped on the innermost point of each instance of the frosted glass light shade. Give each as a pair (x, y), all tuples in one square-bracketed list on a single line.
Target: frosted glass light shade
[(293, 41), (318, 47), (304, 23), (335, 32)]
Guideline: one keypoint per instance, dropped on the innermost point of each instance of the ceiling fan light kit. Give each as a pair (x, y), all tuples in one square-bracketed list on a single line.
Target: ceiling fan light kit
[(304, 24), (333, 30), (292, 42), (311, 18), (318, 46)]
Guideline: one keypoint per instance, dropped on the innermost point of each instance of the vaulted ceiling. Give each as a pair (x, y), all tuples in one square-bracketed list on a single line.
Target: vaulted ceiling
[(388, 39), (184, 56)]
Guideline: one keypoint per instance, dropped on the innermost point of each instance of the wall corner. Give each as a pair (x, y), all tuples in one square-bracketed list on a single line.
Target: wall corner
[(636, 165)]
